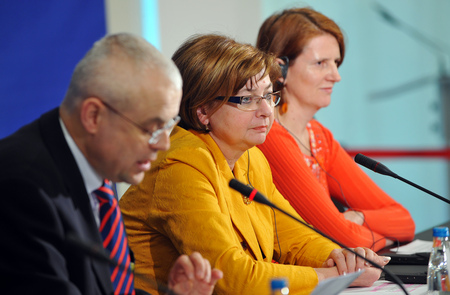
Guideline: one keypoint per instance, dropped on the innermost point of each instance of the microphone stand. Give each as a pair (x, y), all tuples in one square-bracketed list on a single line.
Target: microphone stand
[(258, 197), (99, 254), (443, 79), (415, 34), (382, 169), (423, 189)]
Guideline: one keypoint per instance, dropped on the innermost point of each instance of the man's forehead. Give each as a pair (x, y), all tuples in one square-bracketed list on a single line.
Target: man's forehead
[(156, 97)]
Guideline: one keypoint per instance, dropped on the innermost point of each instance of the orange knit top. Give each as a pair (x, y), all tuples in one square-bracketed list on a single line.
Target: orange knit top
[(309, 187)]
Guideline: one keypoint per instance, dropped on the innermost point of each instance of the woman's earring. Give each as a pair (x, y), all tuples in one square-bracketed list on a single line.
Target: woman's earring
[(284, 107)]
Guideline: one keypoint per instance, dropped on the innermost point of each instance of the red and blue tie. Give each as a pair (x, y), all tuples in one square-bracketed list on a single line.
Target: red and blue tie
[(114, 238)]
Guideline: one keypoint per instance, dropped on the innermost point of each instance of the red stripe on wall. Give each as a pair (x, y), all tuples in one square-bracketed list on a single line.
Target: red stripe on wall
[(402, 153)]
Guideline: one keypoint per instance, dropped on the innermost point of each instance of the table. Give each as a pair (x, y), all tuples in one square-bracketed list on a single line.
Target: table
[(386, 287)]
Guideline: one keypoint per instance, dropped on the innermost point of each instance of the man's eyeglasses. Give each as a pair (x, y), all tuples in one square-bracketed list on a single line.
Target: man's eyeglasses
[(252, 102), (156, 135)]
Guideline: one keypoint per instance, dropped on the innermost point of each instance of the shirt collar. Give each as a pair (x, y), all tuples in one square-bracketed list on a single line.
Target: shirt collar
[(91, 178)]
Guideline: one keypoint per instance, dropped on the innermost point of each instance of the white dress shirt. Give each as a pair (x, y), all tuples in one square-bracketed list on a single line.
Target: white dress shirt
[(92, 179)]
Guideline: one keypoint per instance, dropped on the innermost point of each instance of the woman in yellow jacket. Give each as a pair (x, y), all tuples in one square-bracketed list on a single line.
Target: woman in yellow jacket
[(184, 203)]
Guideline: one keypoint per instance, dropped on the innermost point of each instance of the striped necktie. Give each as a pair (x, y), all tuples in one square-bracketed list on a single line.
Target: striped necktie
[(114, 238)]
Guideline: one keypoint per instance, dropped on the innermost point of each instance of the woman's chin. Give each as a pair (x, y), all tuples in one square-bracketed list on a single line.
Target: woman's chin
[(259, 140)]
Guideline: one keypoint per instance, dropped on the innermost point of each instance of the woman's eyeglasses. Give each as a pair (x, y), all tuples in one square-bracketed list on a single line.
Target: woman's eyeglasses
[(252, 102)]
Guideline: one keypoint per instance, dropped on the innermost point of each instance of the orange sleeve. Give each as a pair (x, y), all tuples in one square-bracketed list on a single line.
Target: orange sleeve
[(298, 185), (381, 212)]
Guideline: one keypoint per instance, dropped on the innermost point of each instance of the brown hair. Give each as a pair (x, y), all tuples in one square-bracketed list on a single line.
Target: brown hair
[(287, 33), (215, 65)]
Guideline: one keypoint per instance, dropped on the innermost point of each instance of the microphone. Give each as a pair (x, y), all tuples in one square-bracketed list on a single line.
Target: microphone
[(386, 15), (441, 52), (380, 168), (98, 253), (256, 196), (374, 165), (91, 250)]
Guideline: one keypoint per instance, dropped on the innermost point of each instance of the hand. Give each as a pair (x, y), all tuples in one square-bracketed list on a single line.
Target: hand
[(192, 275), (341, 262), (347, 262), (367, 278), (354, 216)]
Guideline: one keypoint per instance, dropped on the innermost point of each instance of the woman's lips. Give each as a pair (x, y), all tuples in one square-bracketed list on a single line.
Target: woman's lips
[(261, 128)]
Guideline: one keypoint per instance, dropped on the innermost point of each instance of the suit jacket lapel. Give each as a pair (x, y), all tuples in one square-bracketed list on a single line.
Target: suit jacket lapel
[(238, 210), (71, 176), (259, 213)]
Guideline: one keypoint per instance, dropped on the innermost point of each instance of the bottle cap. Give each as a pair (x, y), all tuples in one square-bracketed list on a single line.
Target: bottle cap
[(440, 232), (278, 283)]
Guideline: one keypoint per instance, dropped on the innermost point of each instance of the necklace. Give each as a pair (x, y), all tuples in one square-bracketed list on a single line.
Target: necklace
[(316, 166), (246, 199), (294, 136)]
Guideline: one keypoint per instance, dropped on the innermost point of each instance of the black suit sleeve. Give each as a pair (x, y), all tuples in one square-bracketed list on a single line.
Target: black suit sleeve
[(33, 249)]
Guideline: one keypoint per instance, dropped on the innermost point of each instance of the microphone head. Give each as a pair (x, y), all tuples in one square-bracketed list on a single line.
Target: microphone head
[(374, 165), (365, 161), (240, 187), (250, 192), (386, 15), (90, 250)]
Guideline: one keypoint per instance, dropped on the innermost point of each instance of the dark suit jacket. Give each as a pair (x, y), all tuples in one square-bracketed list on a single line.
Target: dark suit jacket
[(43, 199)]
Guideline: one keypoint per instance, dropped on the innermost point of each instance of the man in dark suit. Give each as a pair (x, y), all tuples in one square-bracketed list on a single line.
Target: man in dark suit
[(120, 106)]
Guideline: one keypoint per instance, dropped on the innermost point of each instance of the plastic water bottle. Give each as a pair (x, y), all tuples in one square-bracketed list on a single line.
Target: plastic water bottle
[(438, 272), (279, 286)]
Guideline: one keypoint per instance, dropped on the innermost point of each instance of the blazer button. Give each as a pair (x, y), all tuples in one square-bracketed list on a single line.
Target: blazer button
[(244, 245)]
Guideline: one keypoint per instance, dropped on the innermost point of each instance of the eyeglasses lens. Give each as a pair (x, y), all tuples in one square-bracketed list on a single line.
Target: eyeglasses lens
[(157, 134)]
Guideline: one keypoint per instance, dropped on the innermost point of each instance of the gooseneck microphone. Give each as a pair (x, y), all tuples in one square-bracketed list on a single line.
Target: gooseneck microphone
[(374, 165), (91, 250), (380, 168), (441, 53), (99, 254), (256, 196)]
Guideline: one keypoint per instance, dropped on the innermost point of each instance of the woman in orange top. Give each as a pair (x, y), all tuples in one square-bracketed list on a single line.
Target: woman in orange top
[(308, 164)]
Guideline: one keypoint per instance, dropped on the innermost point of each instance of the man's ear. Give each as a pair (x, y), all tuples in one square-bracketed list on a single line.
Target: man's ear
[(202, 116), (90, 114)]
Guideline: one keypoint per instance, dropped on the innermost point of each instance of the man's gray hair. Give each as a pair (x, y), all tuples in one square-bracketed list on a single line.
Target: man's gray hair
[(110, 67)]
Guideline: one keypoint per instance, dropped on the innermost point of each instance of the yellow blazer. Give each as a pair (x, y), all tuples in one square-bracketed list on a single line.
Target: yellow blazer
[(184, 204)]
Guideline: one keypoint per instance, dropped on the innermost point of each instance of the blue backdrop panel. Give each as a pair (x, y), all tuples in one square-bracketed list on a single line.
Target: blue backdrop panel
[(40, 44)]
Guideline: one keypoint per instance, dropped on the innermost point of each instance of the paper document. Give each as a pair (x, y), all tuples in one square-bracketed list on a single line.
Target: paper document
[(387, 288), (333, 286), (415, 246)]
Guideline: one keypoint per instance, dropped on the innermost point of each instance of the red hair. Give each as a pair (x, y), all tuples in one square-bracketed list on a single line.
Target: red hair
[(287, 33)]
